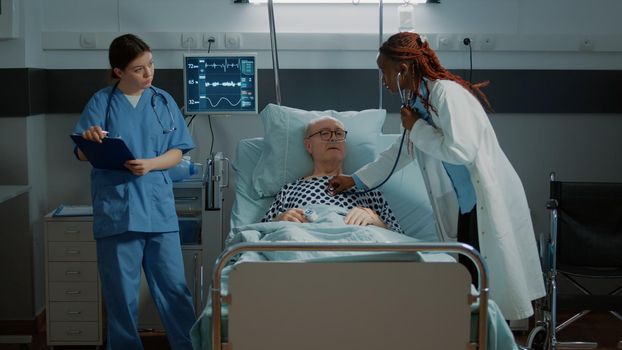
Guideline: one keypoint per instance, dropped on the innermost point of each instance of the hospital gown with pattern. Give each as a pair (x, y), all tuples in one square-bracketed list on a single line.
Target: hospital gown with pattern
[(312, 190)]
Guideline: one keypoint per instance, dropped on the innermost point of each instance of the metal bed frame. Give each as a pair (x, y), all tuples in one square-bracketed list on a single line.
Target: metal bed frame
[(453, 248)]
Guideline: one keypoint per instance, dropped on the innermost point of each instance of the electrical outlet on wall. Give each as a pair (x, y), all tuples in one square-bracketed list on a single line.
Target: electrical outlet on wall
[(586, 44), (467, 40), (189, 41), (446, 42), (87, 40), (487, 42), (209, 41), (233, 40)]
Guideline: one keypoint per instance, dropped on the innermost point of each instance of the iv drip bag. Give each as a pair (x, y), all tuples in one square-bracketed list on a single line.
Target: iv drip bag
[(406, 16)]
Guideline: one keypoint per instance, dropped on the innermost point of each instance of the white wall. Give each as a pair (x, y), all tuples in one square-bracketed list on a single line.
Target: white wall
[(528, 34)]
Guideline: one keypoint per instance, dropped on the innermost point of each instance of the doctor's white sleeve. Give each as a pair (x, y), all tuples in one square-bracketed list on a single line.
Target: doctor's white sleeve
[(460, 125), (378, 170)]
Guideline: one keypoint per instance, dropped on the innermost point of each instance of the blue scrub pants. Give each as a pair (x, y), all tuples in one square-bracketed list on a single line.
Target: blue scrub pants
[(119, 259)]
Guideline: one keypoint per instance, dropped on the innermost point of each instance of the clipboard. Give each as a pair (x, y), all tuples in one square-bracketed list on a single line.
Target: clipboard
[(110, 154), (73, 210)]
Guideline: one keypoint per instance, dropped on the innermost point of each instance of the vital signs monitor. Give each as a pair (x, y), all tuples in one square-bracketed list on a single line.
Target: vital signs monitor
[(220, 83)]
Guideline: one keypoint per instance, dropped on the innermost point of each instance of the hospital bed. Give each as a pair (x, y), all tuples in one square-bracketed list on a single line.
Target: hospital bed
[(404, 295)]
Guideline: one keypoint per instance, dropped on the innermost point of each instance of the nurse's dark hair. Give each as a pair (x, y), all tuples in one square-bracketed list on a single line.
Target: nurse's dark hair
[(123, 50), (411, 48)]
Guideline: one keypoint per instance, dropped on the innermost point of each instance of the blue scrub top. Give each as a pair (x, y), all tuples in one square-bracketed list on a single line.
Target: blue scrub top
[(122, 201)]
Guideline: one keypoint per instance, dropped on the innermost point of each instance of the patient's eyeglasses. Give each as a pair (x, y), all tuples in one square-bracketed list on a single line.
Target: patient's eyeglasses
[(327, 135)]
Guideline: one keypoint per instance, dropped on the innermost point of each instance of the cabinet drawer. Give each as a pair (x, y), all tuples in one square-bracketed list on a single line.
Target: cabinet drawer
[(70, 231), (74, 311), (72, 271), (188, 201), (73, 291), (70, 251), (74, 331)]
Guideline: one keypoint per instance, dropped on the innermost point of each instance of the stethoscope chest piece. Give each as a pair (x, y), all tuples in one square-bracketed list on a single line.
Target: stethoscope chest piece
[(155, 95)]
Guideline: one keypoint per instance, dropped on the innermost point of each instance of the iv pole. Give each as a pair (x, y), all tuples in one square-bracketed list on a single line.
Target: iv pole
[(380, 22), (275, 57)]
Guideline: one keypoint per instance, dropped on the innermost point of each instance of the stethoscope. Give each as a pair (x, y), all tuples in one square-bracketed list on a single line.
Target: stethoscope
[(406, 95), (155, 95)]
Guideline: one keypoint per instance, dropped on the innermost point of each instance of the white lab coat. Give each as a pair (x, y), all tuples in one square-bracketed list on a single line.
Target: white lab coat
[(462, 134)]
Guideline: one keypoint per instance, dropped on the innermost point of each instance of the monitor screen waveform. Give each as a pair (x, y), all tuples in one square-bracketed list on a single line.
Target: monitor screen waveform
[(219, 84)]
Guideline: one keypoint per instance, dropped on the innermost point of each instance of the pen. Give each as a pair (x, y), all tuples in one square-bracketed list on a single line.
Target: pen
[(105, 133)]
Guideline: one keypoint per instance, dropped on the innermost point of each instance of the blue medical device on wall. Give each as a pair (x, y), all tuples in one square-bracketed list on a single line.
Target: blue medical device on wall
[(220, 83)]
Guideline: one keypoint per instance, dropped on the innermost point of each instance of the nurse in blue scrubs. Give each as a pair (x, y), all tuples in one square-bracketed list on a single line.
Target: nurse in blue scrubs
[(134, 218)]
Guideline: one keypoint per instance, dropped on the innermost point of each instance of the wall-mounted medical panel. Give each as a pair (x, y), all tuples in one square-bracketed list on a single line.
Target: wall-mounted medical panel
[(343, 41)]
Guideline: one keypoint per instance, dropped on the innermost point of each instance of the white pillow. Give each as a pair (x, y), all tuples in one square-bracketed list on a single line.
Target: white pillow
[(248, 207), (284, 157)]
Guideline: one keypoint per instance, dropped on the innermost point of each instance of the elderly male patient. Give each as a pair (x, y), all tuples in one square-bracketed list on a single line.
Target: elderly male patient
[(325, 141)]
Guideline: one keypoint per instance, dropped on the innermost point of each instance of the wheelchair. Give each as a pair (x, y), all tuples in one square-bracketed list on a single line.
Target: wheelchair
[(585, 242)]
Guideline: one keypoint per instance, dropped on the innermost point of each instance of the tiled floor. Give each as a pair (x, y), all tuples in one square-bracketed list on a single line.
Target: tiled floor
[(600, 327)]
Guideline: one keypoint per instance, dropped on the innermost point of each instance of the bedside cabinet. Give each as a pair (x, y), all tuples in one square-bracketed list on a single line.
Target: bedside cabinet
[(73, 295), (73, 291)]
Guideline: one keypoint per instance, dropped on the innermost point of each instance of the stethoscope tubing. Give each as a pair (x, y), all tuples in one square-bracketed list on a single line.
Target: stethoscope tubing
[(405, 102), (155, 95), (399, 152)]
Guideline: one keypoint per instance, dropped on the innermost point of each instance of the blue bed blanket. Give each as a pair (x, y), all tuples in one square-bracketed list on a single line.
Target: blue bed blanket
[(330, 228)]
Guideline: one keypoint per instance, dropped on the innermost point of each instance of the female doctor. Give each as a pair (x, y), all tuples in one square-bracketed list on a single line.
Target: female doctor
[(134, 218), (476, 195)]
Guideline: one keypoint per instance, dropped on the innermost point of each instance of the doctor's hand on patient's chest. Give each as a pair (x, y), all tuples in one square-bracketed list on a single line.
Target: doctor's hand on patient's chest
[(339, 184), (409, 117)]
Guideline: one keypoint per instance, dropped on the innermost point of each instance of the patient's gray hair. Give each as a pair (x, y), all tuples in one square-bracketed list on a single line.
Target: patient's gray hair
[(319, 119)]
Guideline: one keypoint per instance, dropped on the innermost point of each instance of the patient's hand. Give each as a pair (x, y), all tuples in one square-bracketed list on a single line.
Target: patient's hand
[(363, 217), (293, 215)]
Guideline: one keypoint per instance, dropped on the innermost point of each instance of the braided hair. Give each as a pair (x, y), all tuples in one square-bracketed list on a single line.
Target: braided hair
[(407, 46)]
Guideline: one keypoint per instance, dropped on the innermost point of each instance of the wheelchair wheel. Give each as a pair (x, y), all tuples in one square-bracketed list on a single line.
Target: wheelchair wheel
[(537, 339)]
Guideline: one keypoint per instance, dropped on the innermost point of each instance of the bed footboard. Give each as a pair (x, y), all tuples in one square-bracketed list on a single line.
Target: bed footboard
[(349, 305)]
